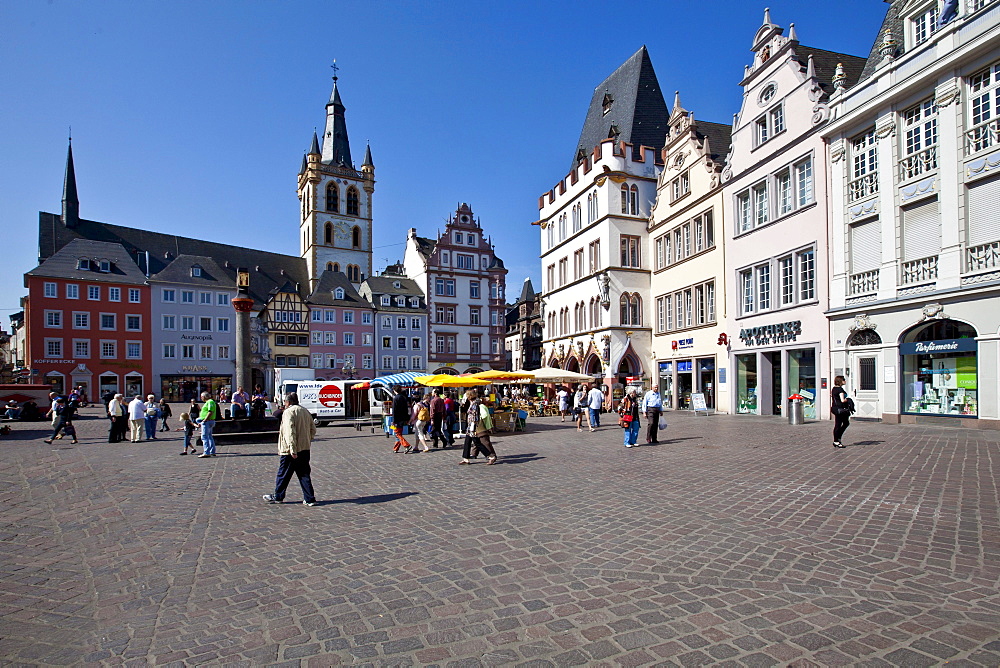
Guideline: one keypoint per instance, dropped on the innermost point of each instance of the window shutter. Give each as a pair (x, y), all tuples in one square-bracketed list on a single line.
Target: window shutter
[(866, 246), (921, 231), (983, 212)]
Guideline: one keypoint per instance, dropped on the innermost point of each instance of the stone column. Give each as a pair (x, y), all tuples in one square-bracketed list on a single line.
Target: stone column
[(243, 306)]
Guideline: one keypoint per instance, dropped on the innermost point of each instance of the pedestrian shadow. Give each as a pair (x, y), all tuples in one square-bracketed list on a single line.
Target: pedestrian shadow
[(867, 443), (375, 498), (519, 458), (671, 441)]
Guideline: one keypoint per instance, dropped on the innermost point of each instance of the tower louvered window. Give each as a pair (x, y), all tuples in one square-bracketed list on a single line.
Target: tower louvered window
[(332, 197), (353, 206)]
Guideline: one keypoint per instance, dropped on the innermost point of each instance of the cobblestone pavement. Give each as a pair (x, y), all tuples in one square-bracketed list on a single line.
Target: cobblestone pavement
[(735, 541)]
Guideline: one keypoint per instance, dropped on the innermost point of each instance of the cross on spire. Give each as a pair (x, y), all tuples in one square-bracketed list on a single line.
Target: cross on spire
[(335, 69)]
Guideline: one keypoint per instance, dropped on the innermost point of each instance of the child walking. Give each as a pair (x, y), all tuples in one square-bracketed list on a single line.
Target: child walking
[(188, 426)]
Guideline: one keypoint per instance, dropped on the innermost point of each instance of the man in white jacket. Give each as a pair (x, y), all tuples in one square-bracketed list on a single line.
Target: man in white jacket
[(136, 418), (294, 439)]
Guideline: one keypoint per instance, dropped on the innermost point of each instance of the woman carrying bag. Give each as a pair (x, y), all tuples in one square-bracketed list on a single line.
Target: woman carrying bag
[(841, 407), (628, 410)]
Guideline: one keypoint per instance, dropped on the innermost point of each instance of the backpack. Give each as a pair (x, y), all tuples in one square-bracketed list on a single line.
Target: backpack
[(485, 418), (423, 414)]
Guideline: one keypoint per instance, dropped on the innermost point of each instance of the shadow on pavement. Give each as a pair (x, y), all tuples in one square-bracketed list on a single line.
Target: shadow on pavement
[(671, 441), (865, 443), (376, 498)]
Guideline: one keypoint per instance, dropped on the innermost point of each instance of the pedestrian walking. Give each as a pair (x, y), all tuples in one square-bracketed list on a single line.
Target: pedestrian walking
[(580, 405), (628, 410), (165, 412), (209, 414), (450, 418), (652, 407), (188, 427), (400, 418), (438, 414), (477, 432), (422, 420), (64, 412), (595, 402), (136, 418), (294, 439), (152, 417), (564, 398), (118, 413), (841, 407)]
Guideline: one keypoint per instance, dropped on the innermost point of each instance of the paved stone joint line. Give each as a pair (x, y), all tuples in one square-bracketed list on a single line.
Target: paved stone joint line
[(735, 541)]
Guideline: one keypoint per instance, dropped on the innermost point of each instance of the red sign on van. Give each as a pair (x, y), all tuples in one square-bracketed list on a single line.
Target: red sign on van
[(331, 396)]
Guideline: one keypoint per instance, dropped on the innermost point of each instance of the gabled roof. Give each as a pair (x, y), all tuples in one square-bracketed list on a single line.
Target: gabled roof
[(385, 285), (425, 246), (825, 65), (328, 282), (267, 270), (719, 138), (212, 274), (631, 101), (893, 22), (64, 263)]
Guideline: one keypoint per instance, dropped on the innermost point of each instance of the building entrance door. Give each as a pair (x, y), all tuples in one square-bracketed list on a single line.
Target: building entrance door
[(685, 384), (863, 383), (706, 381), (777, 393)]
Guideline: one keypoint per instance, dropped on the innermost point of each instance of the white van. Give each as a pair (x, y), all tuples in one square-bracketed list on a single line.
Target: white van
[(328, 400)]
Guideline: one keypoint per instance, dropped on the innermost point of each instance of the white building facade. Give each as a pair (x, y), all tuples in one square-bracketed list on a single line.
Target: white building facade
[(687, 236), (776, 219), (915, 233)]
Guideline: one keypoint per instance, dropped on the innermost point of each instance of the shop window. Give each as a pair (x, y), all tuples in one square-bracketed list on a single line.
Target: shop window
[(940, 375), (746, 383)]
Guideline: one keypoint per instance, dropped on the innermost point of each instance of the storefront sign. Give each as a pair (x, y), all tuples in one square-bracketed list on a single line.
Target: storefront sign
[(196, 337), (55, 361), (684, 343), (944, 346), (784, 332), (194, 369)]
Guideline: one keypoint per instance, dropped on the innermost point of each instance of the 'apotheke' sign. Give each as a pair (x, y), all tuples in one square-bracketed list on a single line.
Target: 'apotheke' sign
[(784, 332)]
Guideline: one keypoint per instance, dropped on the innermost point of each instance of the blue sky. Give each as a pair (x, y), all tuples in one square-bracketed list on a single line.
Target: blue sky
[(192, 117)]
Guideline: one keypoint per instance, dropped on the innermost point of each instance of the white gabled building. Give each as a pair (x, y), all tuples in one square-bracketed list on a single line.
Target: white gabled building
[(775, 194), (915, 233), (687, 236), (595, 273)]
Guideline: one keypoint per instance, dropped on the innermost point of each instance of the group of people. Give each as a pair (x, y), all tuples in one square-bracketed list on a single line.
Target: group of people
[(434, 417), (589, 400)]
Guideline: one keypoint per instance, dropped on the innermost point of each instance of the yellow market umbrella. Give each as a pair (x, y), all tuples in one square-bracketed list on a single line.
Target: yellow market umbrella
[(496, 376), (448, 380)]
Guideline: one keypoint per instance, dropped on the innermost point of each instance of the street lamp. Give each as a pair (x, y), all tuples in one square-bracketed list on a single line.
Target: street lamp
[(349, 370)]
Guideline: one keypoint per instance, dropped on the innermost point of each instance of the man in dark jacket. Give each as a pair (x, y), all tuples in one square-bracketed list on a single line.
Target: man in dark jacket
[(437, 418), (400, 418)]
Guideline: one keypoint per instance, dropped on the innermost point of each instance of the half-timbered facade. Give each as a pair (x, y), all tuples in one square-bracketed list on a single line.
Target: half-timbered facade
[(287, 317)]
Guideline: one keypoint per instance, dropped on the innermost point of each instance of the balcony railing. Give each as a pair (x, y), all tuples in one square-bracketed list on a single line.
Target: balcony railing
[(982, 136), (983, 256), (919, 271), (863, 187), (865, 282), (918, 163)]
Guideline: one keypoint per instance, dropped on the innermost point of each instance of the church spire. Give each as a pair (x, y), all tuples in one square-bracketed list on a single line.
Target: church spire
[(336, 146), (70, 200)]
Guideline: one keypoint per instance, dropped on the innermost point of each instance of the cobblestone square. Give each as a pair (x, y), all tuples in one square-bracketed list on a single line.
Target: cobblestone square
[(735, 541)]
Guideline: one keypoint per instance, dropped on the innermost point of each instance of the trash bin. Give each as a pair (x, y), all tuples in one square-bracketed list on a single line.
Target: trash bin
[(796, 410)]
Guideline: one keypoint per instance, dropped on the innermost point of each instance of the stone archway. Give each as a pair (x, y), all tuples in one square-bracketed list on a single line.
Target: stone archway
[(573, 365)]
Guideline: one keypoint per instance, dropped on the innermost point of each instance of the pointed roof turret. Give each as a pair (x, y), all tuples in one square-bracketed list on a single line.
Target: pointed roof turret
[(627, 106), (314, 148), (368, 157), (302, 169), (527, 291), (70, 200), (336, 145)]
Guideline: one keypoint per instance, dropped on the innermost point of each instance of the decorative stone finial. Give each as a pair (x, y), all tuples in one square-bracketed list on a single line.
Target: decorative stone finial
[(791, 33), (839, 78), (887, 49)]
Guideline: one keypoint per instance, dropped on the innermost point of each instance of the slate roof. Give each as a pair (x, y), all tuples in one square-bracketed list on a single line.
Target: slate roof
[(63, 263), (638, 109), (212, 274), (719, 138), (425, 246), (328, 282), (374, 287), (825, 64), (892, 21), (527, 292), (267, 270)]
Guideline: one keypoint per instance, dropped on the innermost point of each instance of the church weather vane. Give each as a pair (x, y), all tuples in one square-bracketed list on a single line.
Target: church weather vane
[(335, 69)]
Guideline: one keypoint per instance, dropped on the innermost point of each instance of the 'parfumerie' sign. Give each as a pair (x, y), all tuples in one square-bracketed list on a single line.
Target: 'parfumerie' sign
[(784, 332)]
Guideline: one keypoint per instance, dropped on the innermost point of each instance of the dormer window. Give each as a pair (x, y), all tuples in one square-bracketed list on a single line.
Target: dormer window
[(414, 302), (386, 300), (400, 301), (607, 103), (338, 293), (614, 132), (83, 264), (195, 271), (459, 237), (105, 266), (925, 24)]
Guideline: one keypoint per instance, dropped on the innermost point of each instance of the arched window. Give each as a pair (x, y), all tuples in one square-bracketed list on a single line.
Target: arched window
[(630, 310), (356, 237), (624, 198), (352, 202), (329, 266), (328, 233), (633, 200), (635, 310), (577, 218), (865, 337), (338, 293), (594, 204), (590, 209), (354, 273), (562, 227), (336, 266), (332, 197), (551, 232)]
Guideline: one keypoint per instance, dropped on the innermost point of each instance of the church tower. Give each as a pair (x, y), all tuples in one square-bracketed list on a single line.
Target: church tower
[(335, 202)]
